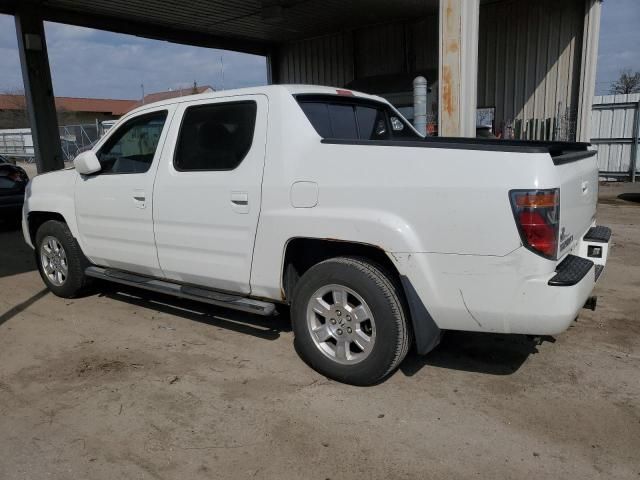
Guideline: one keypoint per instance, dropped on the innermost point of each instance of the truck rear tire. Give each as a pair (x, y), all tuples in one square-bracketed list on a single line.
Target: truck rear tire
[(349, 321), (60, 261)]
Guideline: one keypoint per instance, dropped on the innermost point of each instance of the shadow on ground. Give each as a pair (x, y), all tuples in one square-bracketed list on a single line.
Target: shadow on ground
[(493, 354), (19, 308), (630, 197), (473, 352), (15, 255), (267, 328)]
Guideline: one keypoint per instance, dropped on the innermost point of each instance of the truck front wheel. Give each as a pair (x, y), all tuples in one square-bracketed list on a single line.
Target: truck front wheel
[(60, 261), (349, 321)]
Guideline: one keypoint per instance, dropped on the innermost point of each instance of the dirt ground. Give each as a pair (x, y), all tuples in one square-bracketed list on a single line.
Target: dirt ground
[(126, 384)]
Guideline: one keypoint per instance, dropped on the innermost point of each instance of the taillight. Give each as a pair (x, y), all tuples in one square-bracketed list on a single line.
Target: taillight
[(537, 214)]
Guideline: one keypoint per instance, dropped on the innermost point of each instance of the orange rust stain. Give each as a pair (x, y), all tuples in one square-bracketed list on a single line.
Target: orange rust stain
[(449, 11), (452, 46), (447, 98)]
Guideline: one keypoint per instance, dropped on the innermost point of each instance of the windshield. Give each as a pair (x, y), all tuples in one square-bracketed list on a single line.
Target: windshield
[(352, 118)]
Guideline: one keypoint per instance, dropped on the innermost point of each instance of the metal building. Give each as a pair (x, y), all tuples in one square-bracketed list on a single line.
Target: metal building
[(529, 63)]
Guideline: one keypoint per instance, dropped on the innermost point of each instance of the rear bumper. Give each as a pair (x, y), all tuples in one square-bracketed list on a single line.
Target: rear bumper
[(548, 308), (518, 293)]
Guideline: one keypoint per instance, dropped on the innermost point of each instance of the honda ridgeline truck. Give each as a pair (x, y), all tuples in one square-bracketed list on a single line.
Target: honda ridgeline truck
[(329, 201)]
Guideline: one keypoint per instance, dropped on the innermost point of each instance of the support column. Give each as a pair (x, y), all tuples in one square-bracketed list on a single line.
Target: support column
[(458, 67), (273, 67), (589, 61), (38, 90)]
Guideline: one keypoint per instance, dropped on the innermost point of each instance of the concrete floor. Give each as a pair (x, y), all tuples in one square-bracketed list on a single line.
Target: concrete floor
[(124, 384)]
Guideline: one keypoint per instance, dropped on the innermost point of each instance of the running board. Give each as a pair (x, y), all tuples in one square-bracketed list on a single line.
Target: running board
[(192, 293)]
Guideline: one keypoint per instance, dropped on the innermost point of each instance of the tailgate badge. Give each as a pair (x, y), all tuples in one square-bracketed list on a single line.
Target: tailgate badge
[(565, 240)]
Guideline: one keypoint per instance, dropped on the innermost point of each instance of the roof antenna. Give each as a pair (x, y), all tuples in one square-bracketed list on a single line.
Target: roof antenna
[(142, 88)]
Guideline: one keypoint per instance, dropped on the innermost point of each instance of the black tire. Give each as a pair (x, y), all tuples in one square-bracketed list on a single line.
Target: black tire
[(384, 300), (75, 281)]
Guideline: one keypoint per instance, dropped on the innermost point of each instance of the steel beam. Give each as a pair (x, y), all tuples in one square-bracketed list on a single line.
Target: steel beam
[(36, 75), (458, 67), (273, 67)]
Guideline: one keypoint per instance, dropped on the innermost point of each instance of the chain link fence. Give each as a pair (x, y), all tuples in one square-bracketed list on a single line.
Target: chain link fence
[(18, 143)]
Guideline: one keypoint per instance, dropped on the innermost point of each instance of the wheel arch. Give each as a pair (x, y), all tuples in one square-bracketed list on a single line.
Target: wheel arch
[(301, 253), (36, 218)]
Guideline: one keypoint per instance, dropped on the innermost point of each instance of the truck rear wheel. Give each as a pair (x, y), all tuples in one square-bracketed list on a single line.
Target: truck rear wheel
[(60, 261), (349, 321)]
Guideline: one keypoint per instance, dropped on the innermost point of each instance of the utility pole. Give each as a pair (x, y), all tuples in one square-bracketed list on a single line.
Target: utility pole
[(142, 88)]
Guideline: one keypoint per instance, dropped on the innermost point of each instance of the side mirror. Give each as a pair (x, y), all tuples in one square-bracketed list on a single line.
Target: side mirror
[(87, 163)]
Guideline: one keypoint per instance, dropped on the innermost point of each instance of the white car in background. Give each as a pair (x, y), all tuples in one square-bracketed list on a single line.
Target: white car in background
[(329, 201)]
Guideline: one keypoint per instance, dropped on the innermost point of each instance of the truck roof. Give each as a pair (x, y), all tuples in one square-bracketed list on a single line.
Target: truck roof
[(266, 89)]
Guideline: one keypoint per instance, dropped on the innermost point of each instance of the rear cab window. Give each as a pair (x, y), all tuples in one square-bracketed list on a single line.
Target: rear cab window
[(354, 118)]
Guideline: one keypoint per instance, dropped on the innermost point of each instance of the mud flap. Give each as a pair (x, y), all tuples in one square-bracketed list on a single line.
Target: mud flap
[(425, 331)]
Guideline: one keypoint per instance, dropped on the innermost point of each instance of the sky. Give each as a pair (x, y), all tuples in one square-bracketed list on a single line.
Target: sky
[(92, 63), (619, 46)]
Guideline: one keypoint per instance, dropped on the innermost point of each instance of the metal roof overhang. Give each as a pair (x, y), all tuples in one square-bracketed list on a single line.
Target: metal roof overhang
[(252, 26)]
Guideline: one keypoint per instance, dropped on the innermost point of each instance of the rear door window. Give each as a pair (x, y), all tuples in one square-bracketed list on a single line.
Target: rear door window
[(215, 136)]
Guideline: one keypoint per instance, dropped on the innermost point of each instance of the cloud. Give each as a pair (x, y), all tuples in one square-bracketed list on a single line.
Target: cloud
[(91, 63)]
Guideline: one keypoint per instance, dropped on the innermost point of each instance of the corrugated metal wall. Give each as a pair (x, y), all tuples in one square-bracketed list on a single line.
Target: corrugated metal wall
[(528, 69), (612, 132), (380, 50), (529, 64), (327, 60)]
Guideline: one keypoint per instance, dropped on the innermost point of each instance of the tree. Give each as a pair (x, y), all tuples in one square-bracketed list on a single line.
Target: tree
[(629, 82)]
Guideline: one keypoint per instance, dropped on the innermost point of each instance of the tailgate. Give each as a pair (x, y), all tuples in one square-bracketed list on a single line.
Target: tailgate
[(578, 197)]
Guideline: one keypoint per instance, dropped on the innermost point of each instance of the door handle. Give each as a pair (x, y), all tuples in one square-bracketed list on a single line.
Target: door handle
[(240, 202), (140, 198)]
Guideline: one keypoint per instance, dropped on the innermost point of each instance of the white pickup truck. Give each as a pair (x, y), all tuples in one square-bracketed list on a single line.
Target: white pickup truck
[(329, 201)]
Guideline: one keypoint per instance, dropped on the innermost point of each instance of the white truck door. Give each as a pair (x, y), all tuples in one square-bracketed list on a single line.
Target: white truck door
[(114, 206), (208, 192)]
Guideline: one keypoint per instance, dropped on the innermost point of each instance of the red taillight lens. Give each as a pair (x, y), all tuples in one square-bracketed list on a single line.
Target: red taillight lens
[(540, 236), (537, 215)]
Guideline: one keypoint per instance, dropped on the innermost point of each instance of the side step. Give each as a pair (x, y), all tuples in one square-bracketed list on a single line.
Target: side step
[(192, 293), (570, 271), (599, 234)]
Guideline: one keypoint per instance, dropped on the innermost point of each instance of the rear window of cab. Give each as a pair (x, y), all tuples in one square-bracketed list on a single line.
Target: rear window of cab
[(352, 118)]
